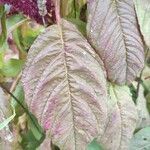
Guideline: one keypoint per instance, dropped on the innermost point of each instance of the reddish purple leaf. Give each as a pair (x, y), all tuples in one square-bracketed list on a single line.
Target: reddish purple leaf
[(113, 31), (65, 87)]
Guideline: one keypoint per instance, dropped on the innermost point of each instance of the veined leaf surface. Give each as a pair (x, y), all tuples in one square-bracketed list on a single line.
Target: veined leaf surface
[(143, 13), (122, 119), (65, 87), (113, 31)]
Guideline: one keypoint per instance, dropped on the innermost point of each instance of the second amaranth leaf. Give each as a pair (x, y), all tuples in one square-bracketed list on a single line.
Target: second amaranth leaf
[(65, 87), (122, 119), (143, 13), (113, 31)]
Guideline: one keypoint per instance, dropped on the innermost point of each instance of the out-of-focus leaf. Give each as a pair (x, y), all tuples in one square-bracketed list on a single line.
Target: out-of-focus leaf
[(6, 135), (94, 146), (65, 87), (141, 140), (148, 101), (68, 8), (29, 32), (143, 13), (19, 94), (5, 122), (12, 67), (80, 25), (146, 77), (113, 31), (14, 21), (3, 29), (42, 7), (1, 59), (81, 3), (122, 119), (141, 104), (71, 8), (29, 142)]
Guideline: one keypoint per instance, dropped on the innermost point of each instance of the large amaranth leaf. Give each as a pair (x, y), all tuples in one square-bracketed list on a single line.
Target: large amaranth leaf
[(122, 119), (143, 13), (65, 87), (113, 31)]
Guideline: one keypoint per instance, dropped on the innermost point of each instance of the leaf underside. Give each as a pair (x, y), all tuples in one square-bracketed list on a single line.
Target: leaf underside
[(122, 119), (65, 87), (113, 31), (143, 13)]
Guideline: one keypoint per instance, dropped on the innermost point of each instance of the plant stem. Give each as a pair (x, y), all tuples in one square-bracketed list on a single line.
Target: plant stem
[(57, 11), (24, 108)]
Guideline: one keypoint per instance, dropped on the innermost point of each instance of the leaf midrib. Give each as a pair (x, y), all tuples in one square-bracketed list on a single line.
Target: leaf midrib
[(67, 79)]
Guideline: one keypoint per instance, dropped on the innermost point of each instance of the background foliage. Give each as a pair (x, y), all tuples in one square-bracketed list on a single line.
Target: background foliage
[(21, 23)]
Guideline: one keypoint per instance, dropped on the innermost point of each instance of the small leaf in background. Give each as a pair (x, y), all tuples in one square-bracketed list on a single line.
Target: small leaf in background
[(6, 136), (29, 32), (79, 24), (141, 140), (3, 29), (12, 22), (72, 8), (148, 101), (146, 77), (19, 94), (141, 105), (143, 14), (37, 131), (67, 8), (12, 67), (1, 59), (29, 142), (94, 146), (122, 119)]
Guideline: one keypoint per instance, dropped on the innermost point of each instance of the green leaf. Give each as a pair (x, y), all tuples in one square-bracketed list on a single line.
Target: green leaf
[(38, 135), (79, 24), (1, 59), (29, 142), (19, 94), (12, 67), (143, 13), (141, 140), (68, 8), (14, 22), (94, 146), (6, 121), (122, 119), (25, 35), (3, 35)]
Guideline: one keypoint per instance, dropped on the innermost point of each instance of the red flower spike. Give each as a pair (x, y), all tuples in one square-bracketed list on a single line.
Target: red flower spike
[(30, 8)]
